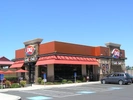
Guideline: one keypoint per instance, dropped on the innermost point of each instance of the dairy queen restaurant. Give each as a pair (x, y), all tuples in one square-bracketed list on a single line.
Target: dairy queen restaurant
[(61, 60)]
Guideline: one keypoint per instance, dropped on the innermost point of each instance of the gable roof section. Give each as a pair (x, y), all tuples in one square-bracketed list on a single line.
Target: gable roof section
[(5, 61)]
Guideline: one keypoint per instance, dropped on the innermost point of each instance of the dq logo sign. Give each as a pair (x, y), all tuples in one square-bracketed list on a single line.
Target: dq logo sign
[(116, 53), (30, 50)]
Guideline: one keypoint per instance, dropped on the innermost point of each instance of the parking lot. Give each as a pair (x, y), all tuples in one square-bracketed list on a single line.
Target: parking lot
[(104, 91)]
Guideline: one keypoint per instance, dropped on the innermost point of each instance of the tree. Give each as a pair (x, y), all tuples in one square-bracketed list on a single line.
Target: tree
[(128, 67)]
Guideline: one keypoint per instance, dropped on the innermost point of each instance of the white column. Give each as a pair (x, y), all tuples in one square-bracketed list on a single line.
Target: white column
[(83, 70), (50, 72)]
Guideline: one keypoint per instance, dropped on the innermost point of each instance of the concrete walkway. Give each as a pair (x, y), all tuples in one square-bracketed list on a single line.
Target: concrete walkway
[(34, 86)]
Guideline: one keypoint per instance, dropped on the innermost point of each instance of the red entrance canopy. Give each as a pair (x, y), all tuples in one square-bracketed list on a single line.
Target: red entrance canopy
[(9, 72), (67, 60), (17, 64)]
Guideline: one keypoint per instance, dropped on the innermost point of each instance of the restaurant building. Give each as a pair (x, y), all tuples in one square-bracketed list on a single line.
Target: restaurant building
[(62, 60)]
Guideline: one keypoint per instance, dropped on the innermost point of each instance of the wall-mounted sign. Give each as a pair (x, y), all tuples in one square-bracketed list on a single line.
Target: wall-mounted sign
[(30, 59), (115, 53), (105, 68), (116, 62), (29, 50)]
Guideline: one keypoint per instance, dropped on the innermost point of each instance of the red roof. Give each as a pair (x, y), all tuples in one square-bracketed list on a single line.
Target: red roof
[(17, 64)]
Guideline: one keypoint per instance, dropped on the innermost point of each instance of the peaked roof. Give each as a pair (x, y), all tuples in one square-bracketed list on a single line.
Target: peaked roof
[(4, 59)]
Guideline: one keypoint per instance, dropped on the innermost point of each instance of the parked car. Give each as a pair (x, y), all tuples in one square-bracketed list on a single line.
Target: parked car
[(117, 77), (131, 78)]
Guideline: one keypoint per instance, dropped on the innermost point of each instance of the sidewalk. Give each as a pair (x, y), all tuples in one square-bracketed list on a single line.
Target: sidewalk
[(34, 86), (9, 97)]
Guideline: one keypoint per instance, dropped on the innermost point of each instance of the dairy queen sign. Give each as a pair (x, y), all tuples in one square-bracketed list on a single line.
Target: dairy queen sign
[(29, 50), (30, 53), (115, 53)]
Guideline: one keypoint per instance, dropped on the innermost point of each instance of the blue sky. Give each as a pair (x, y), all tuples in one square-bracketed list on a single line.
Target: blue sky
[(88, 22)]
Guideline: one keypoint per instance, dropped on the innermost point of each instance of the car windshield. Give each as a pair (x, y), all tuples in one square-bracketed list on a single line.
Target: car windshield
[(127, 75)]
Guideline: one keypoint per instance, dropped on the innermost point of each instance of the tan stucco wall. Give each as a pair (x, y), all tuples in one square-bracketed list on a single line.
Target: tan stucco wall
[(36, 74), (83, 70), (50, 72)]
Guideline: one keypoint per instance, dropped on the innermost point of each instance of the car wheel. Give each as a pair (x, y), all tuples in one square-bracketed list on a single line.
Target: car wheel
[(103, 81), (120, 82)]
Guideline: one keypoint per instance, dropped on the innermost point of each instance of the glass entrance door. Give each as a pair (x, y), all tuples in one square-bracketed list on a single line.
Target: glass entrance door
[(90, 72), (31, 72)]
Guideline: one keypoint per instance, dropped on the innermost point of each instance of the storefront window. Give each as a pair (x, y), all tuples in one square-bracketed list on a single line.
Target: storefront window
[(66, 71), (42, 70)]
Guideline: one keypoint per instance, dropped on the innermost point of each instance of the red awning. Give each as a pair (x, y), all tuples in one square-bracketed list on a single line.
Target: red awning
[(67, 60), (17, 64), (6, 62), (9, 72)]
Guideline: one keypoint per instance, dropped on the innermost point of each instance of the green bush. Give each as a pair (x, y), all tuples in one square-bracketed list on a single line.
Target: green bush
[(15, 85), (78, 81), (64, 81), (12, 78), (23, 83), (69, 81), (1, 87), (8, 83), (39, 80), (56, 83), (49, 83), (42, 82), (84, 79)]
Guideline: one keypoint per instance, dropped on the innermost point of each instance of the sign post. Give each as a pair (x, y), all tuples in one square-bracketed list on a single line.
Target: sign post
[(44, 76), (75, 75)]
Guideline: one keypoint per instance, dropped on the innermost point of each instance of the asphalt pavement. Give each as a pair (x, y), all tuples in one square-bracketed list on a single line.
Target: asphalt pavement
[(78, 92)]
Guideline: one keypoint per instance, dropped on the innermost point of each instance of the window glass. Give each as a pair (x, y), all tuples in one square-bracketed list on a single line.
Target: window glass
[(67, 71), (127, 75)]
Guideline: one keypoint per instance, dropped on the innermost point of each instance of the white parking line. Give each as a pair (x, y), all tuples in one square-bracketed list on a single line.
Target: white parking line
[(51, 93), (86, 89)]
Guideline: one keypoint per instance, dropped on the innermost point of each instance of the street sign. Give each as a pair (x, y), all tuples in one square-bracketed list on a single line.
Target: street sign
[(44, 75), (1, 76), (75, 74)]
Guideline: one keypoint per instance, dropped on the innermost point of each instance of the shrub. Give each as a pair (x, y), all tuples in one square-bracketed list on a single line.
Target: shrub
[(12, 78), (49, 83), (42, 82), (69, 81), (8, 83), (23, 83), (57, 83), (64, 81), (39, 80), (15, 85), (1, 87), (84, 79), (78, 81)]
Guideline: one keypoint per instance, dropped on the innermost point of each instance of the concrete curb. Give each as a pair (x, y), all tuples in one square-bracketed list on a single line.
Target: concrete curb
[(34, 87)]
